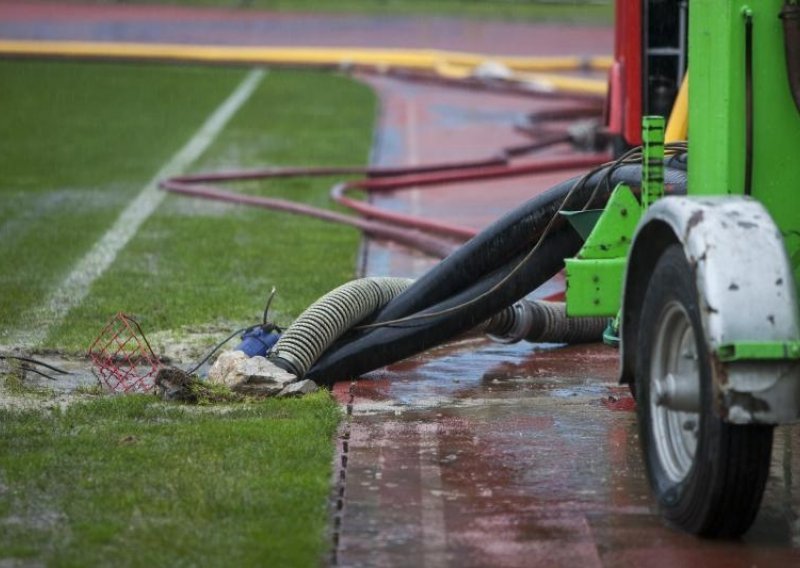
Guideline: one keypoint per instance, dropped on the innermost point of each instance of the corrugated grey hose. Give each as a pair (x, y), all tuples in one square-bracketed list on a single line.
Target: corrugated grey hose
[(543, 322), (329, 318)]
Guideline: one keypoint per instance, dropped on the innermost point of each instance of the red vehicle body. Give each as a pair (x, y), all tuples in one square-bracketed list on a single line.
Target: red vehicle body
[(649, 64)]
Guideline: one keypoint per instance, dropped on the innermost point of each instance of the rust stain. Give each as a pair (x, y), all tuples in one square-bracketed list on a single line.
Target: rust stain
[(695, 219), (719, 370)]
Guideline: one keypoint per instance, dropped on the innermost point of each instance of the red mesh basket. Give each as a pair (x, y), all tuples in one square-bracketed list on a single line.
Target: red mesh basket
[(122, 357)]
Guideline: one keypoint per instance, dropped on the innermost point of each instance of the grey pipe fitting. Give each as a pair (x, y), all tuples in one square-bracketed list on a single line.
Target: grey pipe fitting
[(543, 322)]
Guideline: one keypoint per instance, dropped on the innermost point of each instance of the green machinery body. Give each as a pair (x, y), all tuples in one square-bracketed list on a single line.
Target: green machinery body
[(718, 111), (719, 55), (703, 287)]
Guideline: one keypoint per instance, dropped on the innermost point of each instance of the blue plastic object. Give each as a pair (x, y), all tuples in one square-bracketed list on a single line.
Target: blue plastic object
[(257, 341)]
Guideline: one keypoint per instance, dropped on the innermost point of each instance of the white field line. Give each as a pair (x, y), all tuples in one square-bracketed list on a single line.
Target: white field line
[(74, 288)]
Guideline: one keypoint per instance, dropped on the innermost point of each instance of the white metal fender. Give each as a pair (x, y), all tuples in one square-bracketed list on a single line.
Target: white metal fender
[(746, 292)]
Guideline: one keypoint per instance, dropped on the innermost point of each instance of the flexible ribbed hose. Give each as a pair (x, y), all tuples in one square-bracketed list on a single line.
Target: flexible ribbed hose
[(329, 318), (543, 322)]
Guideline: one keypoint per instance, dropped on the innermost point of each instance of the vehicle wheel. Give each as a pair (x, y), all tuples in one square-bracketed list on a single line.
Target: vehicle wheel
[(707, 475)]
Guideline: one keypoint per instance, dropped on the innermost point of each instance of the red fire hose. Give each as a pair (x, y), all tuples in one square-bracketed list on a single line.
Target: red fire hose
[(405, 229), (430, 236)]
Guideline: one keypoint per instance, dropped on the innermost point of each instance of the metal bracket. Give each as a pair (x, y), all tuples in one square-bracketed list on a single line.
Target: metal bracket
[(759, 351), (594, 286), (652, 159), (594, 277)]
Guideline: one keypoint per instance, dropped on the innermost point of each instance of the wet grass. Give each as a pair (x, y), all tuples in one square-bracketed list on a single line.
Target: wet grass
[(195, 262), (129, 481), (88, 137), (79, 142), (512, 10)]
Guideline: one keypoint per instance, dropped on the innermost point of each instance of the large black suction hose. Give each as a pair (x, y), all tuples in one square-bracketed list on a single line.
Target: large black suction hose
[(513, 233), (468, 275), (381, 346)]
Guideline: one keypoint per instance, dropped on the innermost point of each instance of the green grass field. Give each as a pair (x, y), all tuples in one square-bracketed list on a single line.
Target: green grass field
[(131, 480), (526, 10), (127, 481), (87, 138)]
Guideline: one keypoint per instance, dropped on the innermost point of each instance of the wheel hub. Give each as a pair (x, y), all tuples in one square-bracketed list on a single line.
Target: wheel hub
[(675, 392)]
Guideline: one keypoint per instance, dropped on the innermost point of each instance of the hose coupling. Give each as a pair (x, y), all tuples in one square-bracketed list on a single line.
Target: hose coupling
[(512, 325), (287, 362), (543, 322)]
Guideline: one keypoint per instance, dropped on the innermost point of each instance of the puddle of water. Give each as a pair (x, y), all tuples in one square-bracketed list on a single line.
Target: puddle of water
[(179, 347), (476, 369)]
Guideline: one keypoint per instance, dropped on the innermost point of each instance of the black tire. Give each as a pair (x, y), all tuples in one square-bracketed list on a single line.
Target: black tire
[(718, 490)]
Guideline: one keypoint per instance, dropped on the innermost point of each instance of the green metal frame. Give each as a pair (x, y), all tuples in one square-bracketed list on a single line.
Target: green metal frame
[(595, 276), (718, 121), (718, 118), (717, 111), (652, 159), (759, 351)]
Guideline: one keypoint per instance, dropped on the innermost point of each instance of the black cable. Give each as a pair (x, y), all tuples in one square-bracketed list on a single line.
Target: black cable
[(217, 347), (610, 167), (139, 329), (632, 156), (36, 362), (38, 372), (265, 324)]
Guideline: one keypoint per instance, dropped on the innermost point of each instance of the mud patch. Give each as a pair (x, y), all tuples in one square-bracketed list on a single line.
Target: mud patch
[(22, 389), (187, 345)]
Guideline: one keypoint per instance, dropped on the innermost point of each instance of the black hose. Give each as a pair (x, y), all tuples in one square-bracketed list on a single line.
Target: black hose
[(748, 103), (490, 272), (370, 349), (513, 233)]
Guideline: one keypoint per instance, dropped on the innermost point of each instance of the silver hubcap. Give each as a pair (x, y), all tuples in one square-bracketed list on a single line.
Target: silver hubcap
[(674, 392)]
